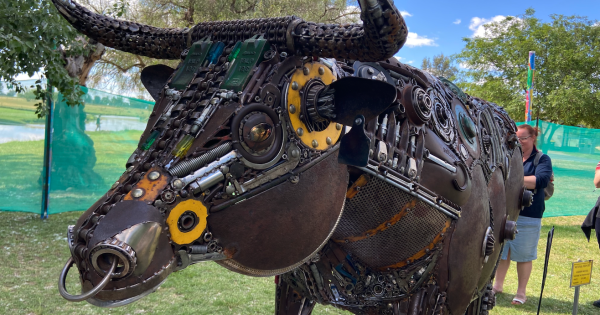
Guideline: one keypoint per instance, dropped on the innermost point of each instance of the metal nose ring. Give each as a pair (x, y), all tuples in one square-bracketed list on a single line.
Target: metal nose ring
[(82, 297)]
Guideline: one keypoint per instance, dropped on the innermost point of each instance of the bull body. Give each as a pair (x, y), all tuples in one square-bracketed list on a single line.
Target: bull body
[(302, 150)]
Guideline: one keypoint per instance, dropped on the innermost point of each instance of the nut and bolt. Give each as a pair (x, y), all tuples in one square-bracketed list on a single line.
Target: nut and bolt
[(295, 179)]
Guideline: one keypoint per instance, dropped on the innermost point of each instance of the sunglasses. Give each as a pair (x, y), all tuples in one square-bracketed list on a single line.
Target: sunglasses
[(523, 138)]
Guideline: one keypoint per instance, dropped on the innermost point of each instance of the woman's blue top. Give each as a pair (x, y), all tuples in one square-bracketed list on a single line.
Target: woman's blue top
[(542, 173)]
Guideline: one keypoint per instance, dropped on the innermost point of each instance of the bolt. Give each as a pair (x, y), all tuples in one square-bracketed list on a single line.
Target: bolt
[(153, 175), (315, 143), (295, 153), (370, 71), (295, 85), (137, 193), (338, 126), (295, 179), (300, 132), (305, 71), (321, 71), (358, 121), (328, 141), (178, 184), (292, 109)]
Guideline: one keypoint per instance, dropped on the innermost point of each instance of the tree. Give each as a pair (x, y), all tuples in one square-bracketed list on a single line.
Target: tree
[(440, 66), (567, 74), (34, 36)]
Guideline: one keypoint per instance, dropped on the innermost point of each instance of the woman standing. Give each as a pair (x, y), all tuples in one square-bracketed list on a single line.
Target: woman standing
[(523, 249)]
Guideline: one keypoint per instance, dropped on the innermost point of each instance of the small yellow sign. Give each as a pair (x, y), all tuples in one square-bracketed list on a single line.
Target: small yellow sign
[(581, 273)]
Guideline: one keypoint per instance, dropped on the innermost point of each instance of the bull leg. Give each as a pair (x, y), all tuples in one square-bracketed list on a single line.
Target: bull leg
[(288, 301)]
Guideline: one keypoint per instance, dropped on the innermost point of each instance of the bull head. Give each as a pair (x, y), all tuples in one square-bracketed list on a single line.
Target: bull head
[(238, 163)]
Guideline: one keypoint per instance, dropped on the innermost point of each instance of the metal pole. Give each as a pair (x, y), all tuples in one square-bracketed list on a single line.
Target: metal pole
[(47, 155), (546, 260), (576, 300)]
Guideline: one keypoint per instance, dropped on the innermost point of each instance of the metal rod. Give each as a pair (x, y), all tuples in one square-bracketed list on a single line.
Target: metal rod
[(576, 300), (47, 170)]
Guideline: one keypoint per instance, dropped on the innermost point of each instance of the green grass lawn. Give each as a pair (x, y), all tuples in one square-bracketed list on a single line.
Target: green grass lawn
[(34, 252)]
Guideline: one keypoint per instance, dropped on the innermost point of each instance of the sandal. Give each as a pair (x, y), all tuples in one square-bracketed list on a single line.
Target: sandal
[(517, 300)]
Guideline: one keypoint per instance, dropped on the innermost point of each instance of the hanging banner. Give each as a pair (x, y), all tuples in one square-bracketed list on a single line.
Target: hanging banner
[(528, 93)]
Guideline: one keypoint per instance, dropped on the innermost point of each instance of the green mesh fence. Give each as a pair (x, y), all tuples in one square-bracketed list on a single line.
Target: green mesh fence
[(90, 146), (92, 143)]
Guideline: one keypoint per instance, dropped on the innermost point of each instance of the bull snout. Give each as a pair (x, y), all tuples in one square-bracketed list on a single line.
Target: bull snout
[(129, 243)]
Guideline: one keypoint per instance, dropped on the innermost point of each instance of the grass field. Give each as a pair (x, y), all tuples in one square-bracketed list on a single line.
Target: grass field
[(34, 251)]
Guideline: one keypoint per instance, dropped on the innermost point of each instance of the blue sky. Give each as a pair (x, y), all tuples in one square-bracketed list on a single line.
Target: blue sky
[(440, 25)]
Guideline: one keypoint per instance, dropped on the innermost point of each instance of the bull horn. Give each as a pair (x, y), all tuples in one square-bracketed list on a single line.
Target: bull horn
[(381, 35)]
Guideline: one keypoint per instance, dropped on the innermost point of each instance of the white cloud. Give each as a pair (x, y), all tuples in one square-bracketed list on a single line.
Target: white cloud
[(415, 40), (457, 21), (405, 13), (403, 60), (478, 28)]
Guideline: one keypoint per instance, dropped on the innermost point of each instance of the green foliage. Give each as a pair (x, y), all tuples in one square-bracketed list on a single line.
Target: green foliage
[(30, 33), (567, 74), (440, 66)]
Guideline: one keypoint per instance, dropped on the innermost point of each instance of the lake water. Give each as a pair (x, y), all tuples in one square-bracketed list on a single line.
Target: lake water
[(32, 132)]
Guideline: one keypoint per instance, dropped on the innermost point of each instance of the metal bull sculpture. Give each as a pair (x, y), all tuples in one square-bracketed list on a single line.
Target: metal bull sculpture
[(303, 150)]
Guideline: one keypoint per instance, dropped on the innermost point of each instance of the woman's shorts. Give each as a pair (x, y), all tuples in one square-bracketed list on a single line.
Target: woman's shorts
[(524, 247)]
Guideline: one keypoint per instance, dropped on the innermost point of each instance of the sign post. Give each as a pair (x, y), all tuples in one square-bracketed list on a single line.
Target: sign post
[(581, 274)]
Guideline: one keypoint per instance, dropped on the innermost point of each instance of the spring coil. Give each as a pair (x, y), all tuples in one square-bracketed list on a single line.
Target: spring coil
[(199, 249), (187, 167)]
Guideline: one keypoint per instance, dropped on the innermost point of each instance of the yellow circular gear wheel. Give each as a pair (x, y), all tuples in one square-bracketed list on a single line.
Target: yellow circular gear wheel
[(177, 235), (333, 131)]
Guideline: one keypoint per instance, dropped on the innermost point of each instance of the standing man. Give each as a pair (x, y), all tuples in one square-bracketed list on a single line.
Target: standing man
[(523, 249)]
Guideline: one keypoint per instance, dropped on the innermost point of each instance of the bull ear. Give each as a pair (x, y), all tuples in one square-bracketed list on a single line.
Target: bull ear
[(353, 96), (154, 79), (354, 146)]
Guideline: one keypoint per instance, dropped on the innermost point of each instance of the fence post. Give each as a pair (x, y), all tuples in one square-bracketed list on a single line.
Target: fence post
[(47, 154)]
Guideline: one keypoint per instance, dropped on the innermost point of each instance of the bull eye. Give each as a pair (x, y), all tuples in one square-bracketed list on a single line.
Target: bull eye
[(260, 132)]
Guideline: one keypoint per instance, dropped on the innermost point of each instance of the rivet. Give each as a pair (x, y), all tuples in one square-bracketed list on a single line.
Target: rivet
[(328, 141), (305, 71), (292, 109), (295, 85), (114, 185), (315, 143), (178, 184), (153, 175), (137, 193), (321, 71), (300, 132), (338, 126)]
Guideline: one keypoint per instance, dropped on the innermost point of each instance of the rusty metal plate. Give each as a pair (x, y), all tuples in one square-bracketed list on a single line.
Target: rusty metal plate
[(464, 258), (285, 224)]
